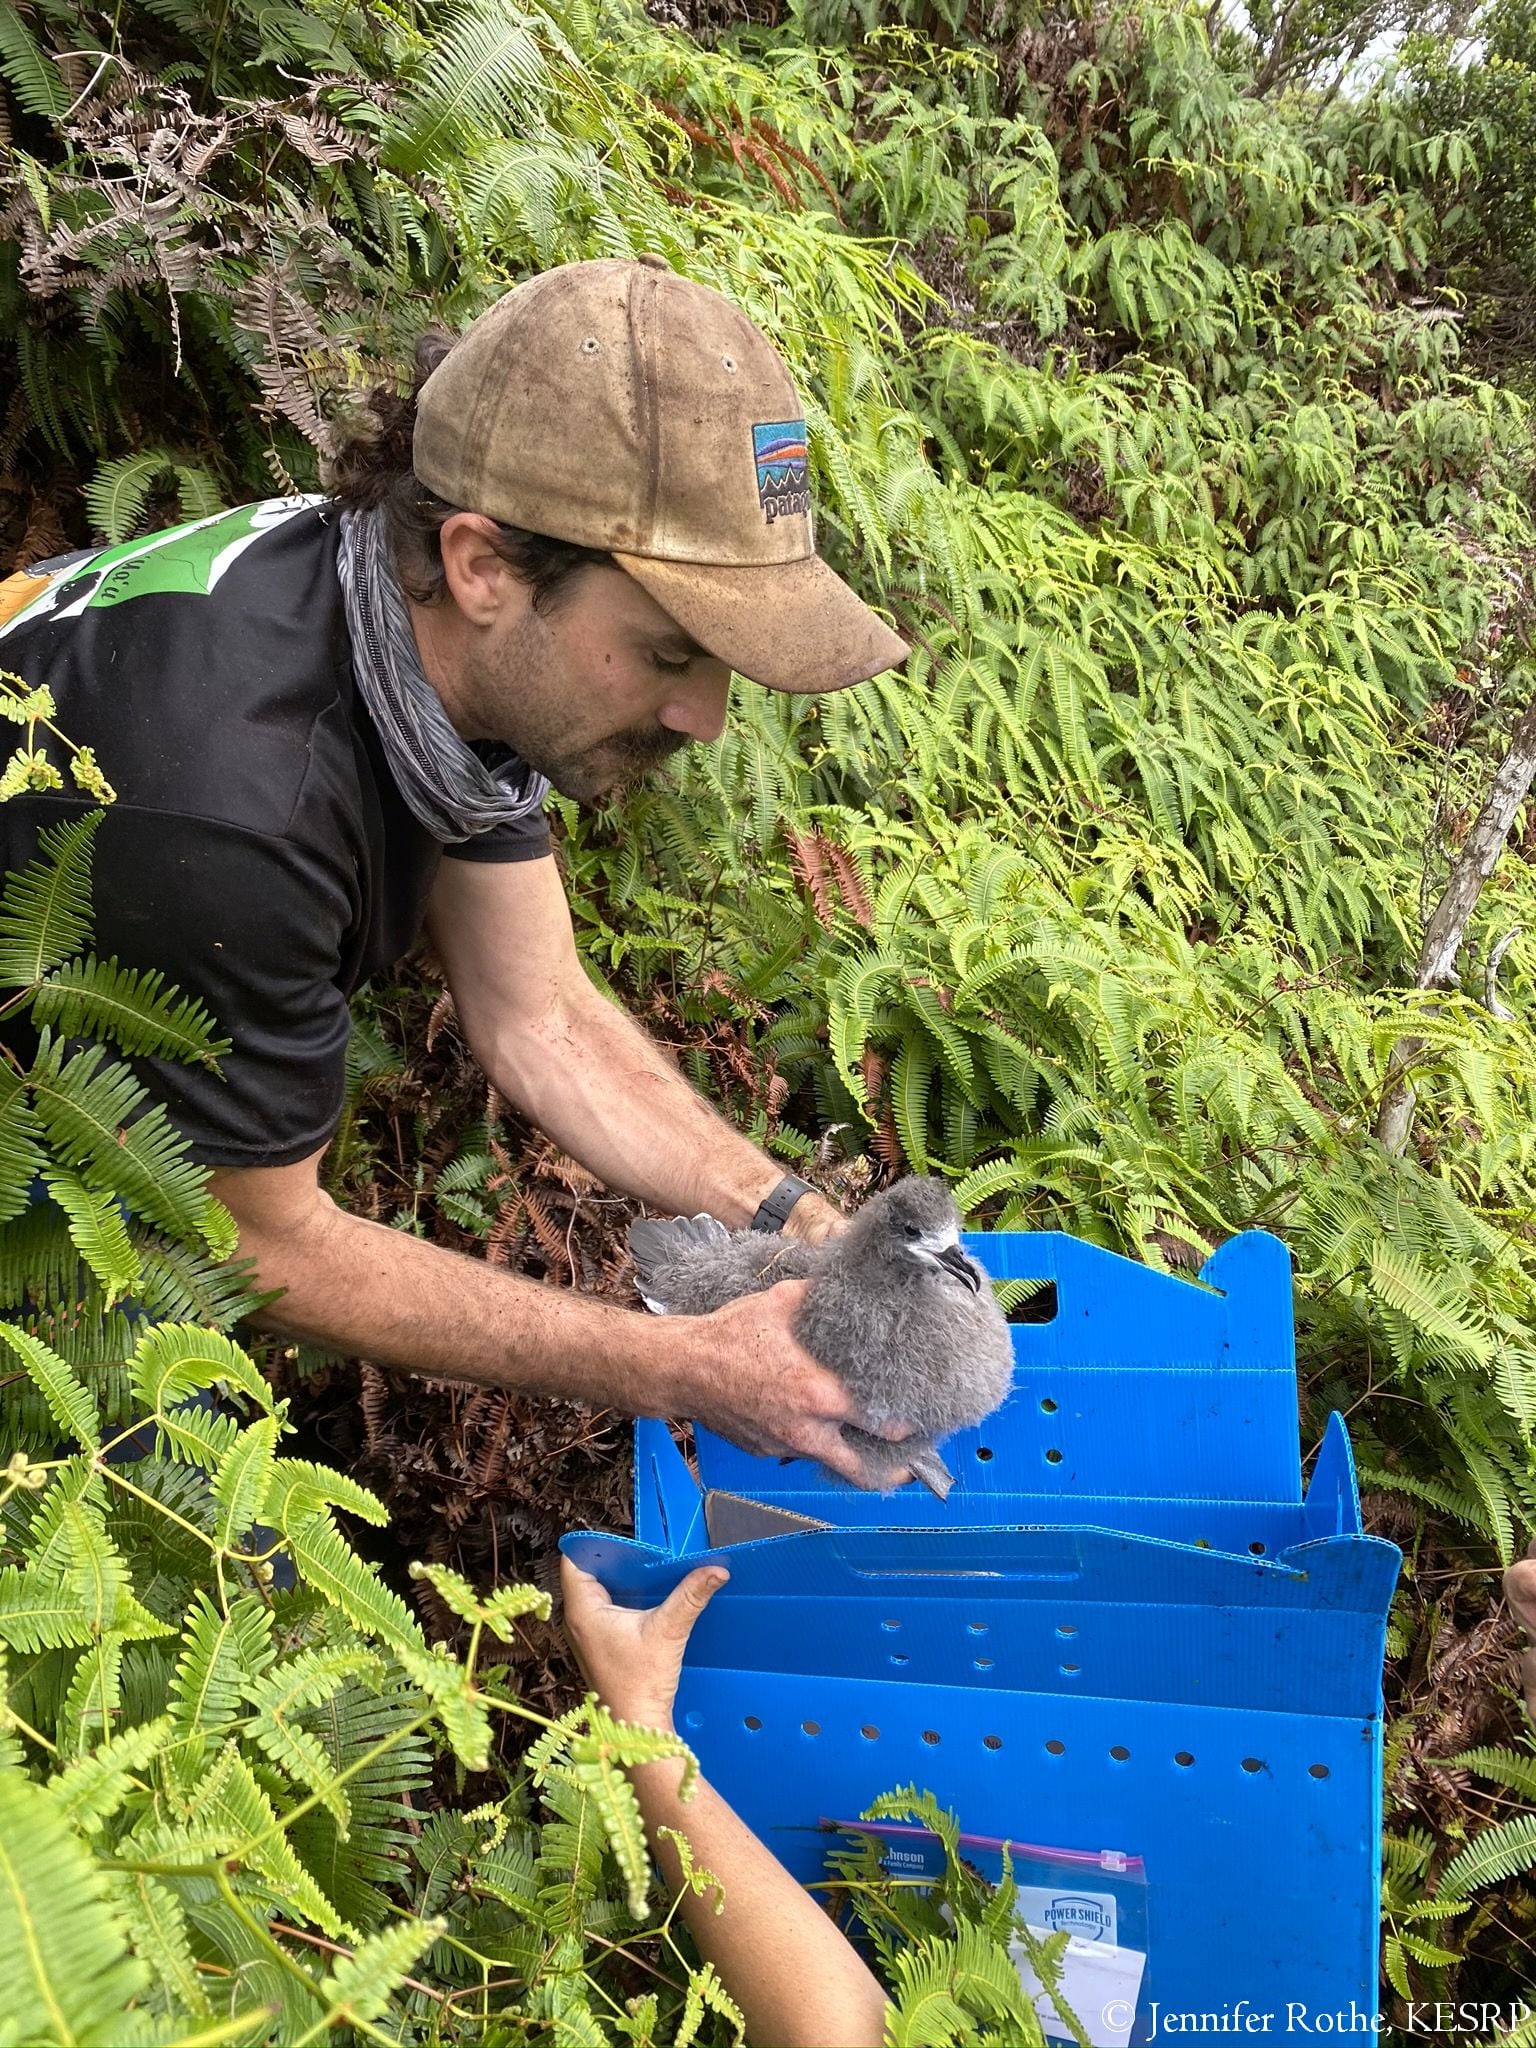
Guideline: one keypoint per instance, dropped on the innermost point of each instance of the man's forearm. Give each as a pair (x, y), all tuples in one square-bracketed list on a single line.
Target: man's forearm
[(371, 1292), (376, 1293), (593, 1080)]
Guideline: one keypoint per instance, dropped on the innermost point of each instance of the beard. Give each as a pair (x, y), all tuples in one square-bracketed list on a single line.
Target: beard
[(534, 719), (619, 762)]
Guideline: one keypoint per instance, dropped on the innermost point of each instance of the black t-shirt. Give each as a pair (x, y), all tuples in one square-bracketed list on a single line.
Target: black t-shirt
[(259, 852)]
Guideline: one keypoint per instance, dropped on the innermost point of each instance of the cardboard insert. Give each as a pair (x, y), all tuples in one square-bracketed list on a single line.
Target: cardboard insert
[(729, 1518)]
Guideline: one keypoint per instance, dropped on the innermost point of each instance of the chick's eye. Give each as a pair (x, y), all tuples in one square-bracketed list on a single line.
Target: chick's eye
[(911, 1230)]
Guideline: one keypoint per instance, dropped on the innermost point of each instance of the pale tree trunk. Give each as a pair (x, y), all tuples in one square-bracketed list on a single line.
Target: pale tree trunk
[(1447, 928)]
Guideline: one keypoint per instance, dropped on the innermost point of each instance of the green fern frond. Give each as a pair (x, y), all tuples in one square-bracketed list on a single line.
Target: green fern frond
[(89, 1791), (22, 1158), (34, 78), (36, 1615), (96, 1121), (497, 1612), (301, 1490), (45, 910), (280, 1696), (378, 1742), (115, 496), (359, 1989), (593, 1756), (173, 1362), (98, 1232), (99, 999), (69, 1976), (326, 1562), (232, 1806), (1404, 1283), (222, 1655), (1512, 1767), (94, 1696), (707, 1994), (485, 64), (1498, 1852), (68, 1401), (242, 1480), (157, 1925)]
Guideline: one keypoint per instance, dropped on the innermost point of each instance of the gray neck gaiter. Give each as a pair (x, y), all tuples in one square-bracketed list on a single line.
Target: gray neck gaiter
[(455, 789)]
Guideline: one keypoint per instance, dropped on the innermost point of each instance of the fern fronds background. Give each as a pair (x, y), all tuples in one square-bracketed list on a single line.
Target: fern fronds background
[(213, 1713)]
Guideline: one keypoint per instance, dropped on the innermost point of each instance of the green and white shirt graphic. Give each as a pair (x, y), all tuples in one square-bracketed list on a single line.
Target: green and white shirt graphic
[(187, 560)]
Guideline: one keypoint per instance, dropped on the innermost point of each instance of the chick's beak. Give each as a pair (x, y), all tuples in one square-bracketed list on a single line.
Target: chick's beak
[(954, 1260)]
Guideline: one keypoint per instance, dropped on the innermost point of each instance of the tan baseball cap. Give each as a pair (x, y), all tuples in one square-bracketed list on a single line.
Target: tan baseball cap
[(617, 405)]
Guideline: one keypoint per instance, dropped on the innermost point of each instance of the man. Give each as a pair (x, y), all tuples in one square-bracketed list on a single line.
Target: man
[(332, 720)]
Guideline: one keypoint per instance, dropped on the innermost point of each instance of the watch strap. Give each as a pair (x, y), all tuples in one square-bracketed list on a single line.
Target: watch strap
[(773, 1210)]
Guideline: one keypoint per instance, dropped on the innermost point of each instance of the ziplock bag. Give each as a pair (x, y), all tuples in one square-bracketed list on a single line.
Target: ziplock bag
[(1097, 1897)]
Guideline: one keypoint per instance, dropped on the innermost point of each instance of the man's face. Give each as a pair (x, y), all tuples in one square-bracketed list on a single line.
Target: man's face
[(594, 691)]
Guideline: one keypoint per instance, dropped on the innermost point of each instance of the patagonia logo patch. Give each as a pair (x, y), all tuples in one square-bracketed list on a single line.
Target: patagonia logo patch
[(783, 482)]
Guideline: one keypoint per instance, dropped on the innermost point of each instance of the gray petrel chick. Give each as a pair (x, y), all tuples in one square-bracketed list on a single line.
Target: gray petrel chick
[(896, 1308)]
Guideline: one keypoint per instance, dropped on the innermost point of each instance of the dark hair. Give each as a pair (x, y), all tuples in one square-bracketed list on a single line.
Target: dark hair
[(374, 470)]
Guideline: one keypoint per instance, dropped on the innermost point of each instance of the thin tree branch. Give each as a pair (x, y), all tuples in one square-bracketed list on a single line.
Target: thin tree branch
[(1447, 927), (1493, 1003), (336, 1948)]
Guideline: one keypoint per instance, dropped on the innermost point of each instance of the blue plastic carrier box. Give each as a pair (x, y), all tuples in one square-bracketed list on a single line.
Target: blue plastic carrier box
[(1126, 1633)]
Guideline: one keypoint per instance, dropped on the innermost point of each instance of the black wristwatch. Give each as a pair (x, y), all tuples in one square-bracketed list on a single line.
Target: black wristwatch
[(775, 1206)]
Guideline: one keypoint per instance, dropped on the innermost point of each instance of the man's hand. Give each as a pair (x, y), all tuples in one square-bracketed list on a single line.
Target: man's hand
[(742, 1373), (1520, 1592), (632, 1658), (813, 1219)]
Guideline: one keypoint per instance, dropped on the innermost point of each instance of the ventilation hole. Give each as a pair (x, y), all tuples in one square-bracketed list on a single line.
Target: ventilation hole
[(1070, 1670), (977, 1628), (729, 363), (1066, 1628), (890, 1624), (1317, 1770), (930, 1736), (1182, 1756), (591, 345), (1252, 1764), (900, 1660), (981, 1663), (991, 1742), (1039, 1308), (870, 1734), (1257, 1549), (1056, 1748), (1120, 1753), (1047, 1406), (752, 1722), (1053, 1457), (983, 1455), (693, 1718), (810, 1727)]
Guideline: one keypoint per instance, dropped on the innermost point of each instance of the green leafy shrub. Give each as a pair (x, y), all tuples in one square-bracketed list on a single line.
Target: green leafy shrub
[(1480, 84), (188, 1750)]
